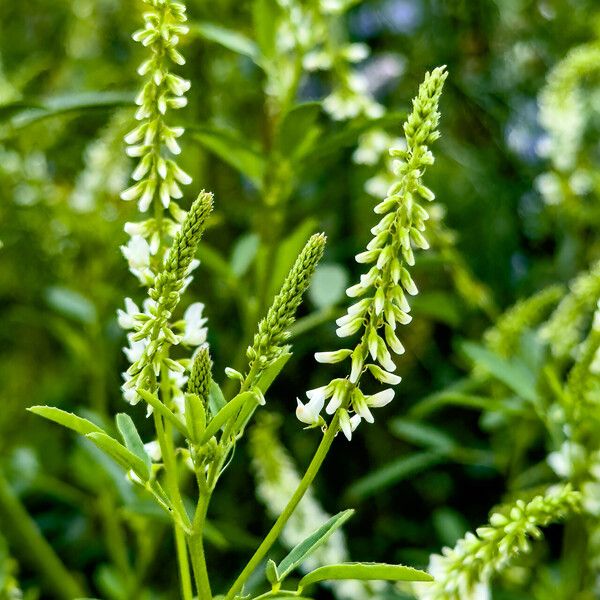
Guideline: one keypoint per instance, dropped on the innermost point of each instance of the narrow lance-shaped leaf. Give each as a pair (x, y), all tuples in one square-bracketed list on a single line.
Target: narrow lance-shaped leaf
[(216, 399), (513, 374), (118, 452), (228, 412), (195, 416), (163, 410), (132, 439), (365, 572), (270, 374), (305, 548), (66, 419)]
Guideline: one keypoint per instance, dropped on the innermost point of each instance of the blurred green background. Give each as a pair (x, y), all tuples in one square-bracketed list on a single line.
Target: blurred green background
[(67, 78)]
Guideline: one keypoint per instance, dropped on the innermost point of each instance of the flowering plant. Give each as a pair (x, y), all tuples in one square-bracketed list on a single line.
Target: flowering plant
[(196, 427)]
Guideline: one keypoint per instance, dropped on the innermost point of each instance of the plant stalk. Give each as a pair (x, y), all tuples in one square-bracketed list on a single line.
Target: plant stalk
[(283, 518), (36, 548)]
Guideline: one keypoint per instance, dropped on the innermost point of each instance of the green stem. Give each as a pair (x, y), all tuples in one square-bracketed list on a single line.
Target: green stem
[(283, 518), (36, 549), (196, 544), (165, 440)]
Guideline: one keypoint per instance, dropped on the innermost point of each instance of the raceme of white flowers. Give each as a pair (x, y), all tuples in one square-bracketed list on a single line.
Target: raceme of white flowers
[(158, 178), (311, 32), (153, 140), (464, 571), (382, 292)]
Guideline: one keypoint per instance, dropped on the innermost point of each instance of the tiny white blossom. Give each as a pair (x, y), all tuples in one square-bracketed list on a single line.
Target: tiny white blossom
[(310, 412), (380, 398), (194, 333), (135, 350), (137, 253), (348, 424), (153, 450), (126, 317)]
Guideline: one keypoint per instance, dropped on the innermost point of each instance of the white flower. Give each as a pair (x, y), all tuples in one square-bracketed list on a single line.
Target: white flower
[(566, 461), (309, 413), (135, 350), (128, 388), (194, 331), (153, 450), (348, 424), (317, 60), (137, 253), (339, 395), (380, 398), (371, 147), (126, 317), (332, 357), (356, 52)]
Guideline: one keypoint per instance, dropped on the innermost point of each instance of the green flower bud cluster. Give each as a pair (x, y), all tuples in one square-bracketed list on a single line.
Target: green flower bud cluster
[(201, 375), (504, 337), (153, 327), (566, 326), (475, 558), (384, 288), (153, 141), (273, 330)]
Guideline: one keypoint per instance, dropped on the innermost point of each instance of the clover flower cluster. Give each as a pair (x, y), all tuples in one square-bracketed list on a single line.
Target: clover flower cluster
[(152, 329), (562, 106), (477, 557), (310, 32), (564, 111), (276, 475), (350, 96), (383, 290), (154, 142), (165, 273), (157, 174)]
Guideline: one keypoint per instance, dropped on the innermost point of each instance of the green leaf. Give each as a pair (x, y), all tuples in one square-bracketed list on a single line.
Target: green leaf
[(228, 412), (71, 304), (266, 17), (228, 38), (132, 438), (68, 103), (66, 419), (393, 473), (195, 416), (271, 572), (298, 130), (346, 136), (514, 374), (305, 548), (213, 260), (438, 306), (120, 454), (244, 253), (270, 374), (364, 571), (234, 149), (422, 434), (216, 400), (288, 252), (328, 285), (164, 411)]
